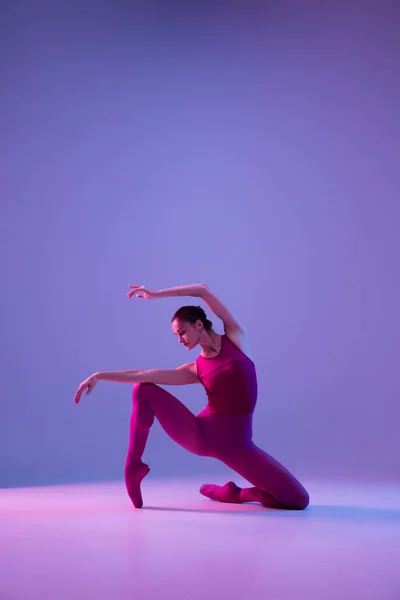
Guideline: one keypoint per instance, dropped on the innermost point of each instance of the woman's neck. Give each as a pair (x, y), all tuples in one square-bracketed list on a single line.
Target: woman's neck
[(212, 344)]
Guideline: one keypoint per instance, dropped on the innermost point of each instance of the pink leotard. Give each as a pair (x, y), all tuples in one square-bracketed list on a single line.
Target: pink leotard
[(229, 379)]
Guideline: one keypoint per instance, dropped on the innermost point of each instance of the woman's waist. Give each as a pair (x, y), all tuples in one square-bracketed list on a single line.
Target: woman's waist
[(242, 403), (241, 413)]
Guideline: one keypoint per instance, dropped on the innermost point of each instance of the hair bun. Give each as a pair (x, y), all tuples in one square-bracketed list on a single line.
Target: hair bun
[(192, 314)]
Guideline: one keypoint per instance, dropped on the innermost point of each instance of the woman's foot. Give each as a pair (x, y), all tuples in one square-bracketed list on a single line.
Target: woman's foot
[(229, 492), (254, 494), (134, 474)]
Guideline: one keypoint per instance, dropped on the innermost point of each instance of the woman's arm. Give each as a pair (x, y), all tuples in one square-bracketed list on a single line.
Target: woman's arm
[(182, 375), (201, 290), (219, 309), (198, 290)]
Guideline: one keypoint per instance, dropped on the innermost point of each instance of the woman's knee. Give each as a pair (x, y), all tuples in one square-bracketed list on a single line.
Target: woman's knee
[(301, 501), (141, 390), (295, 497), (142, 413)]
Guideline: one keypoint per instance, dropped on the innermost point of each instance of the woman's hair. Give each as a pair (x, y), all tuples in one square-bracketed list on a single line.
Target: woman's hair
[(192, 314)]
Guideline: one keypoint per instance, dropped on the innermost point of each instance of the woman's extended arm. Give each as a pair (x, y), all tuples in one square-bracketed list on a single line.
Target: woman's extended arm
[(198, 290), (203, 291), (222, 312), (182, 375)]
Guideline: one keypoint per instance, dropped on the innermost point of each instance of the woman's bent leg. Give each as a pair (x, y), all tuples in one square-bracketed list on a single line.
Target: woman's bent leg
[(274, 485), (150, 401), (229, 438)]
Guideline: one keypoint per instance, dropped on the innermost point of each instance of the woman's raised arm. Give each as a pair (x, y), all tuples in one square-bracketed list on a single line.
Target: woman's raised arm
[(219, 309), (197, 290)]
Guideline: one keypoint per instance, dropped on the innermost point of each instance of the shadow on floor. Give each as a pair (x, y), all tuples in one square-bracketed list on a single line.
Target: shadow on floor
[(314, 511)]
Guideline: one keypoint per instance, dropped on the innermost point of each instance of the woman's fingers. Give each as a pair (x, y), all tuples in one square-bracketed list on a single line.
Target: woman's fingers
[(87, 385), (78, 395), (135, 289)]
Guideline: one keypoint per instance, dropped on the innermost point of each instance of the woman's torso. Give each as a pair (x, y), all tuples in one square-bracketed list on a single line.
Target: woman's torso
[(229, 379)]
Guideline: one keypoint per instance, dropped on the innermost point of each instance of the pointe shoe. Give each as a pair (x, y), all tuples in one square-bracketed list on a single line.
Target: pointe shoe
[(135, 478)]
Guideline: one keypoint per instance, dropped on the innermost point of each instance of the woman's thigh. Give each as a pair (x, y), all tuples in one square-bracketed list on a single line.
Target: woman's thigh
[(180, 424)]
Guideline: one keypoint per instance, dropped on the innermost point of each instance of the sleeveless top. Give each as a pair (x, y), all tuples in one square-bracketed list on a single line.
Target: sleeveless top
[(229, 379)]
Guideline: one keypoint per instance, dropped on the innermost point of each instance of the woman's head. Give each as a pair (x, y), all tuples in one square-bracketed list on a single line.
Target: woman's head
[(189, 323)]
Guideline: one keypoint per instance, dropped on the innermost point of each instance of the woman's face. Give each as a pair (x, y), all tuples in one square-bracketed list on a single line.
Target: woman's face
[(187, 334)]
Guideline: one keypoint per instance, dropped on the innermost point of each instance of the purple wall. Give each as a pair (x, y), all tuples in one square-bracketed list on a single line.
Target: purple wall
[(256, 150)]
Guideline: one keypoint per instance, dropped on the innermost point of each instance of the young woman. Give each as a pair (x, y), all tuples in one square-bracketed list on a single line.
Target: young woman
[(222, 430)]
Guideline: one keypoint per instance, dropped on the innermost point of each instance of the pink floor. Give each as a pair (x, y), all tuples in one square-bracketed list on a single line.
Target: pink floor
[(86, 541)]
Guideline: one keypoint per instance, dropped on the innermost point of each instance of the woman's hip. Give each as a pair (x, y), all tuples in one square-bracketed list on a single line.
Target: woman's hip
[(221, 432)]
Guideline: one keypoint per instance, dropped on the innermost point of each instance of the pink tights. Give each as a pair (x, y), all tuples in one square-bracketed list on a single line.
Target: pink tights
[(226, 438)]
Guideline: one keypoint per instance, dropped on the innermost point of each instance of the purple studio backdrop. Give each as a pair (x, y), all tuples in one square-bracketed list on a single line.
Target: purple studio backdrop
[(251, 146)]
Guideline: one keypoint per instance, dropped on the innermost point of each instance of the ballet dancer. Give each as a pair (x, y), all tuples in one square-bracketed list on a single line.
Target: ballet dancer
[(223, 430)]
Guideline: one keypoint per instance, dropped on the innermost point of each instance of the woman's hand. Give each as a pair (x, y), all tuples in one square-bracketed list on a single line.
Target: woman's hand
[(142, 292), (87, 385)]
